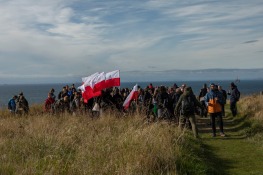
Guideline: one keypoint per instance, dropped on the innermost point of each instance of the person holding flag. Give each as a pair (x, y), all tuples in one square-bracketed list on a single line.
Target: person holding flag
[(132, 96)]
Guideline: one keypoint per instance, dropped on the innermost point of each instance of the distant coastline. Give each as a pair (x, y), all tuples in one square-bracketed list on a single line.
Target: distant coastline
[(153, 75), (37, 93)]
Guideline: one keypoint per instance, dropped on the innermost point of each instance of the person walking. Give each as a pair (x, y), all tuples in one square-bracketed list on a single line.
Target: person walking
[(186, 107), (162, 102), (202, 93), (23, 105), (214, 101), (220, 88), (234, 98)]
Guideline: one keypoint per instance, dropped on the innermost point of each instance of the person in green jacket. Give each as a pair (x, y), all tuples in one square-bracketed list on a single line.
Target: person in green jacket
[(186, 108)]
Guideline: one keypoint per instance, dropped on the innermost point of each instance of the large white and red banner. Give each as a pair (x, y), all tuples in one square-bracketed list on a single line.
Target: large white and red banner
[(93, 84), (98, 82), (132, 96), (87, 91), (87, 79), (113, 79)]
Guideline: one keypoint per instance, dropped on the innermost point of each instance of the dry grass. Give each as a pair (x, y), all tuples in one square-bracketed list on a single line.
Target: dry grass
[(253, 105), (43, 144)]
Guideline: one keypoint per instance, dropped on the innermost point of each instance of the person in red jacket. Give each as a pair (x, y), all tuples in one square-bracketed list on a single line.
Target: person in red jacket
[(49, 102)]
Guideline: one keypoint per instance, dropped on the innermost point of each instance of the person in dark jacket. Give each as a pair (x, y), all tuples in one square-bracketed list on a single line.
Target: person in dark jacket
[(176, 98), (23, 105), (118, 99), (190, 98), (234, 97), (162, 101), (224, 99), (203, 92)]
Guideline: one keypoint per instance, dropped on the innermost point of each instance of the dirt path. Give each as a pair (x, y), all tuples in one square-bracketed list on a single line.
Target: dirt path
[(233, 154)]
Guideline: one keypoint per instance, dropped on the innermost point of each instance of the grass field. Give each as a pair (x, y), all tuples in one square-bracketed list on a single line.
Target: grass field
[(67, 144)]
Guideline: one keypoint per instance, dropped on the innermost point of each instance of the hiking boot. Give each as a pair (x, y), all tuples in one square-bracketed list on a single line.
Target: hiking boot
[(222, 134)]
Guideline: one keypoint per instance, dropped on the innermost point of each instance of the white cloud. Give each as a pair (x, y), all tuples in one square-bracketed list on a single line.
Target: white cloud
[(64, 37)]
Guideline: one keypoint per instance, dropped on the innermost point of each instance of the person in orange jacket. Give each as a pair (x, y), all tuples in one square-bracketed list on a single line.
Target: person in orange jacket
[(214, 101)]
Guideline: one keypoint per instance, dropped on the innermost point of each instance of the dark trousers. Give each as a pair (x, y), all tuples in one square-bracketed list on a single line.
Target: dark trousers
[(233, 108), (213, 117), (204, 111), (223, 110)]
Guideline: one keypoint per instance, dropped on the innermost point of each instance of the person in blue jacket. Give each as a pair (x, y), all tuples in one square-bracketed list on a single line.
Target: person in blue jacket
[(12, 104)]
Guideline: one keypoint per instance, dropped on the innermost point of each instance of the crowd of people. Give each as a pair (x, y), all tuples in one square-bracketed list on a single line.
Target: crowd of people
[(178, 104)]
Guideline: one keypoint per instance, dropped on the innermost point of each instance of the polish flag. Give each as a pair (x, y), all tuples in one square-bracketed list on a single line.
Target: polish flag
[(98, 82), (86, 79), (87, 91), (113, 79), (88, 94), (132, 96)]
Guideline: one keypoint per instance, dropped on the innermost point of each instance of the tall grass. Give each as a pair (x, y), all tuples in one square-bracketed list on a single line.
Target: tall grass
[(252, 106), (43, 144)]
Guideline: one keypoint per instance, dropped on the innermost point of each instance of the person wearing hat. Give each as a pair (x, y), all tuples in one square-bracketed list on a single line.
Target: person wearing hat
[(214, 102), (234, 97), (186, 108), (22, 104)]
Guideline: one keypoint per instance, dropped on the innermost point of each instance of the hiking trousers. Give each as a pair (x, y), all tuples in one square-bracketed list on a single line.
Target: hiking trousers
[(191, 118), (233, 108), (213, 117)]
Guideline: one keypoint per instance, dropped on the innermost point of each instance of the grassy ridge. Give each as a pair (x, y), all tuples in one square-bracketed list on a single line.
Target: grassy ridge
[(252, 106), (241, 151), (43, 144)]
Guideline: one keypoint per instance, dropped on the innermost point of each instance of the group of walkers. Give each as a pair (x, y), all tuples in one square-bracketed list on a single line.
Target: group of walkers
[(18, 104), (178, 104), (212, 101)]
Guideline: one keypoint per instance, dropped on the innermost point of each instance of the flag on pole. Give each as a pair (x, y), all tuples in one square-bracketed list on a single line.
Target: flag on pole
[(132, 96), (113, 79)]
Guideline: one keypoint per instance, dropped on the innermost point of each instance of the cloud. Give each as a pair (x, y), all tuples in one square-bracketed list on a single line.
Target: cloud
[(250, 41), (62, 37)]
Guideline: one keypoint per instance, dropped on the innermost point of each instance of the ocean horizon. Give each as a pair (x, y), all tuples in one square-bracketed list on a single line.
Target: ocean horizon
[(37, 93)]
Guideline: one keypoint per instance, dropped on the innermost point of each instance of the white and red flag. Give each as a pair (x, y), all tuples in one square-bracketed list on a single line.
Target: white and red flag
[(86, 79), (132, 96), (113, 79), (87, 91), (98, 82)]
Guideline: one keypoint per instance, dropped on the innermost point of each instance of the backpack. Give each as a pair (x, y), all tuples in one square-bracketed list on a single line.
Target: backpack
[(166, 102), (188, 106)]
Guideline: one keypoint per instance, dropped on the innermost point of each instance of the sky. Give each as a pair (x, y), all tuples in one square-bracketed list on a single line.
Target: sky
[(63, 40)]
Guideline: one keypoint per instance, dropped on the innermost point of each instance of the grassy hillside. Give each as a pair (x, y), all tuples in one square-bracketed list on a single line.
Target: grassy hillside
[(241, 151), (252, 107), (44, 144)]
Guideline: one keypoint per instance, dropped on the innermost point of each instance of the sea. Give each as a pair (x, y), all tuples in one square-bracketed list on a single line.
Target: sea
[(37, 93)]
